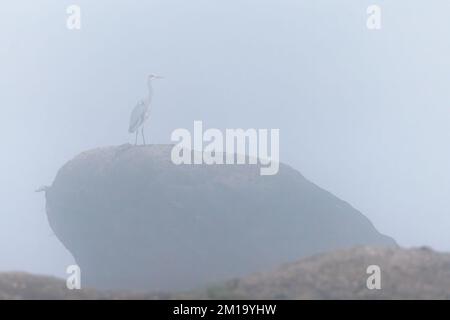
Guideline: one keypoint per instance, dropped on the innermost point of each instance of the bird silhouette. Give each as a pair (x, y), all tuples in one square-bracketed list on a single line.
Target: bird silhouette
[(141, 111)]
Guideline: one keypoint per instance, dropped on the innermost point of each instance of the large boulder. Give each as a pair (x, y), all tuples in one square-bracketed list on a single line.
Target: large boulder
[(132, 219)]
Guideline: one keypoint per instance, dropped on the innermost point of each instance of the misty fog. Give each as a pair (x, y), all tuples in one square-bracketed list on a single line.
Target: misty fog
[(363, 114)]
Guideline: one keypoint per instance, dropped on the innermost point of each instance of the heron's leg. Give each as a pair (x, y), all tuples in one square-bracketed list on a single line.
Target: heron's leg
[(135, 142), (143, 135)]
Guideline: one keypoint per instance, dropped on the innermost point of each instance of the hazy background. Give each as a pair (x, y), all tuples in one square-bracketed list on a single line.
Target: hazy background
[(363, 114)]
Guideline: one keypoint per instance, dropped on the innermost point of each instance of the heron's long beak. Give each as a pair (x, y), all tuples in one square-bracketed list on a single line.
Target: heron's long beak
[(159, 77)]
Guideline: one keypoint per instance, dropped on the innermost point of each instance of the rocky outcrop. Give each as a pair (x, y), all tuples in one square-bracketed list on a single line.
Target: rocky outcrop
[(26, 286), (132, 219), (20, 285), (405, 274)]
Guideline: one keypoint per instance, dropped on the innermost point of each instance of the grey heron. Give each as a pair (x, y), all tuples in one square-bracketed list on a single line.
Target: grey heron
[(141, 111)]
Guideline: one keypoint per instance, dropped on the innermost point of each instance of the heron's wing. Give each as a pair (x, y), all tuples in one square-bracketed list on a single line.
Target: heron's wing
[(137, 116)]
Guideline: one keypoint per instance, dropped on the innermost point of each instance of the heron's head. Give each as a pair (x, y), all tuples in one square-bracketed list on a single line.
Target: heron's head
[(154, 76)]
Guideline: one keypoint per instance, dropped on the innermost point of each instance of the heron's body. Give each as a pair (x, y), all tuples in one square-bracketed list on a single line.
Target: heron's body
[(141, 111), (139, 115)]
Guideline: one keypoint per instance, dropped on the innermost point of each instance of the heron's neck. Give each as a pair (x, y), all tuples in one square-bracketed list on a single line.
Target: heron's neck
[(150, 89)]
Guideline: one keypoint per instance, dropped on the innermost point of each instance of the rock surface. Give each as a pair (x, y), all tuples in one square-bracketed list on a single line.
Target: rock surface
[(405, 274), (134, 220), (25, 286), (20, 285)]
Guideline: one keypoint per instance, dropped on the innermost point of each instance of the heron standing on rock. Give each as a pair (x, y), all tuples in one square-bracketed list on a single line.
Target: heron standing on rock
[(141, 111)]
